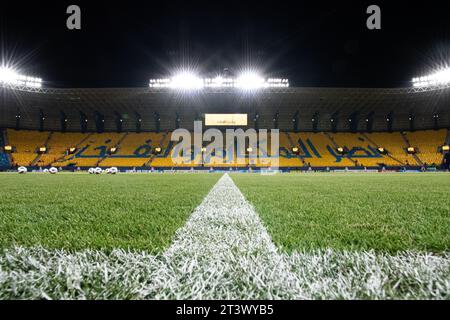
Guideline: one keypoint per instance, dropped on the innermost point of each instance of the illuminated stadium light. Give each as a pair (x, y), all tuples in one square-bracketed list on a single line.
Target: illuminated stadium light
[(445, 148), (341, 150), (411, 150), (112, 150), (190, 81), (219, 82), (249, 81), (436, 79), (71, 150), (11, 77), (157, 150), (8, 148), (295, 150), (186, 81), (42, 149), (382, 150), (249, 150), (182, 81)]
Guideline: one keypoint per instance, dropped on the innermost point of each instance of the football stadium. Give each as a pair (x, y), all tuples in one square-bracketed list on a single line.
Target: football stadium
[(227, 185)]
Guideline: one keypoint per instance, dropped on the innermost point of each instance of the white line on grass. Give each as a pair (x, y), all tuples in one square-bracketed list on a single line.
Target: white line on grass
[(224, 251)]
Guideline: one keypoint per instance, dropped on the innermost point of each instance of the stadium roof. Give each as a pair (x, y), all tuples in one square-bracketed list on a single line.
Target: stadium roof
[(323, 103)]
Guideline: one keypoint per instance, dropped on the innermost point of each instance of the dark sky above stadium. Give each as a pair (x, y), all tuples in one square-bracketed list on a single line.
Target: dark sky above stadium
[(313, 43)]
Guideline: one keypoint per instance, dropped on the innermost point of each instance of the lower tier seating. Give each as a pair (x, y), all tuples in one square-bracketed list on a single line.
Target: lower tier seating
[(296, 149)]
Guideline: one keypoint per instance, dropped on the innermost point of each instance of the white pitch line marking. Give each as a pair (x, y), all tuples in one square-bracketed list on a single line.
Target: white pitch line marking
[(224, 251)]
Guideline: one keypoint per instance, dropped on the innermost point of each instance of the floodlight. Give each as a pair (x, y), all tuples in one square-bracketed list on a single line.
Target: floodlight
[(249, 149), (112, 150), (71, 150), (382, 150), (445, 148), (203, 149), (249, 81), (157, 150), (8, 149), (7, 75), (11, 77), (341, 150), (186, 81), (441, 77), (295, 150)]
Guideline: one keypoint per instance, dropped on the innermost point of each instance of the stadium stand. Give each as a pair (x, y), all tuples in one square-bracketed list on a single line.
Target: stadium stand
[(135, 150), (395, 145), (58, 145), (26, 143), (91, 150), (360, 149), (427, 144)]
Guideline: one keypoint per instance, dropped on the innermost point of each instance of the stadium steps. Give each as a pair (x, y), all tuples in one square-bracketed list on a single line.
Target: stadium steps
[(38, 157), (447, 138), (293, 144), (5, 142), (117, 146), (330, 137), (161, 144), (149, 162), (408, 144), (375, 144)]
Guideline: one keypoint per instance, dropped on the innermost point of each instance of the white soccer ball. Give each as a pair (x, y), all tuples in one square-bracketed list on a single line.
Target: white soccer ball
[(45, 171), (91, 170), (113, 170), (98, 170), (107, 171), (22, 170), (53, 170)]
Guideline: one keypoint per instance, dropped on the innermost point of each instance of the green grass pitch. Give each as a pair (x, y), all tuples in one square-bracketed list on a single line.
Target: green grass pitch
[(384, 212), (78, 211)]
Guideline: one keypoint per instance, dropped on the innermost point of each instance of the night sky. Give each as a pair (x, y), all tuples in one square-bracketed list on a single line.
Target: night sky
[(313, 43)]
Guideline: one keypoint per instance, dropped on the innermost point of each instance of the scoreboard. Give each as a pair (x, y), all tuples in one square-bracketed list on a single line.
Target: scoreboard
[(220, 119)]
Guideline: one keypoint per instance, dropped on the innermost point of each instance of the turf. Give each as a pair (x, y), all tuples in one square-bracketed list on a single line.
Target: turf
[(80, 211), (384, 212)]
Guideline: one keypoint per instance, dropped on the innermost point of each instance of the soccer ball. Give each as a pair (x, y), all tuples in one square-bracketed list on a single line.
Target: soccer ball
[(53, 170), (98, 170), (113, 170), (91, 170), (22, 170), (45, 171), (107, 170)]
